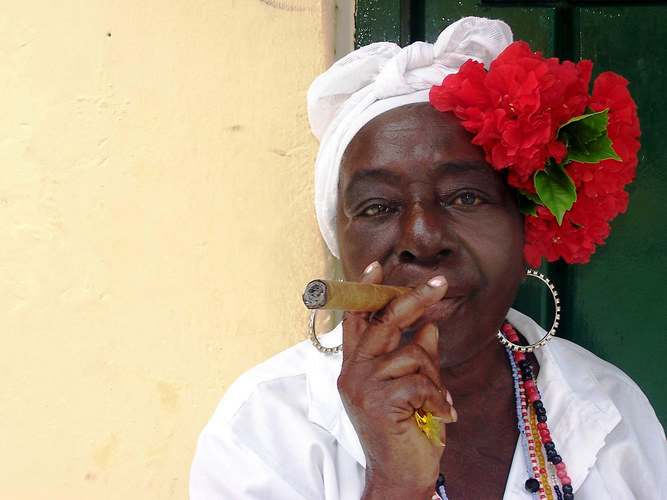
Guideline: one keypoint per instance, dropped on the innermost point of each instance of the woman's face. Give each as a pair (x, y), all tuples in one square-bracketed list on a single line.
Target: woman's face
[(416, 195)]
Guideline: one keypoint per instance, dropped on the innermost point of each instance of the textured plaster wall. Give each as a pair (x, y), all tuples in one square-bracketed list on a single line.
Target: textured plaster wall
[(156, 227)]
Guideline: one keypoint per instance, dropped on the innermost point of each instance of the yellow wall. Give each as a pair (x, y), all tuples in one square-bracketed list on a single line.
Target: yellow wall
[(156, 227)]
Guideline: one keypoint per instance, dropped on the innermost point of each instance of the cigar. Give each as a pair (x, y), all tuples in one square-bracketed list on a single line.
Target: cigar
[(349, 295)]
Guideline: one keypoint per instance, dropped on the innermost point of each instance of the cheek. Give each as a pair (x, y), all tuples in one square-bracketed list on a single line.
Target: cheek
[(506, 256), (349, 251), (498, 246), (349, 264), (359, 246)]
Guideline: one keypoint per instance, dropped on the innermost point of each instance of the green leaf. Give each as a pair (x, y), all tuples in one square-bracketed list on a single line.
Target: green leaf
[(586, 127), (585, 138), (594, 152), (535, 198), (528, 202), (555, 189), (526, 205)]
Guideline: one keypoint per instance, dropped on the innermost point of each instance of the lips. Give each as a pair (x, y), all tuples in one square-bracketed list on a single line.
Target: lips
[(443, 308), (453, 304), (458, 286), (440, 313)]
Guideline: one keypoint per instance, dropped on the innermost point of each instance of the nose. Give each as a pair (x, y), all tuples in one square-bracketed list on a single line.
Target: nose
[(425, 236)]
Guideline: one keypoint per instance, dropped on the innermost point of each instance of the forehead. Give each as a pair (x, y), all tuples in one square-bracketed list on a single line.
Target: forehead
[(415, 135)]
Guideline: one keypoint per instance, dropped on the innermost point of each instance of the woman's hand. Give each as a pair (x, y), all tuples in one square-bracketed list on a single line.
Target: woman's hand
[(381, 385)]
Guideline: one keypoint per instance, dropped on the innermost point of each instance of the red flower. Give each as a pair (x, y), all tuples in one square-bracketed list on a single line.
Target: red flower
[(610, 92), (516, 107), (515, 110)]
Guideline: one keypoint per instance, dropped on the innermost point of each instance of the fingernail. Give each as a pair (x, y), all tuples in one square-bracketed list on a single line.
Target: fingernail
[(448, 398), (436, 282), (369, 269), (453, 413)]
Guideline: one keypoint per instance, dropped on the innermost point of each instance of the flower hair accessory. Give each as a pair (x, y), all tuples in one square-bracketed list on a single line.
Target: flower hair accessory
[(569, 153)]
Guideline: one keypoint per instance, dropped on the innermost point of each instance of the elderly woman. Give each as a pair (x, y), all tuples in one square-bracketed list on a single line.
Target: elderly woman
[(441, 171)]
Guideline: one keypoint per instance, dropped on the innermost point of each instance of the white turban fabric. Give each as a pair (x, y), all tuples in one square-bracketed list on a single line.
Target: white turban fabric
[(380, 77)]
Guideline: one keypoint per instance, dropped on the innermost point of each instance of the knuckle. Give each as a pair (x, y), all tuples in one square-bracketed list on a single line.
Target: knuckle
[(387, 315), (416, 352), (405, 305), (341, 383), (426, 389), (425, 383), (345, 388)]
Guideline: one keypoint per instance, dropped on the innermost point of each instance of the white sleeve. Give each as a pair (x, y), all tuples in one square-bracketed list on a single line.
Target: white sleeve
[(260, 444), (225, 469), (633, 462)]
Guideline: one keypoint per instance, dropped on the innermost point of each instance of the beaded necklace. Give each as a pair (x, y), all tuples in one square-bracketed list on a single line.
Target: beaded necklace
[(546, 478)]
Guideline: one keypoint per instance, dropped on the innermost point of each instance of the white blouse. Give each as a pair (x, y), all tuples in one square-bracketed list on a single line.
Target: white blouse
[(280, 431)]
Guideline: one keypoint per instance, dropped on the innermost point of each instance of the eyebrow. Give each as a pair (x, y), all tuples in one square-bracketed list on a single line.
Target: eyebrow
[(460, 166), (368, 176), (388, 175), (372, 174)]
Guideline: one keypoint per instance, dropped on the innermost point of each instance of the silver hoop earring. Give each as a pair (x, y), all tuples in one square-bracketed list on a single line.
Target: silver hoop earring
[(315, 341), (532, 347)]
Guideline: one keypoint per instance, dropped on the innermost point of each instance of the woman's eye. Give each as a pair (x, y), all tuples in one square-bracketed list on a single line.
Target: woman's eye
[(467, 200), (373, 210)]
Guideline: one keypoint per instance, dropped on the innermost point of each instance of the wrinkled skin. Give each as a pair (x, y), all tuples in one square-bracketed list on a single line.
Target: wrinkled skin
[(418, 201)]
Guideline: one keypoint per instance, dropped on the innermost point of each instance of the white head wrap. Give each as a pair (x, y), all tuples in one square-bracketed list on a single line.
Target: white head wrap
[(380, 77)]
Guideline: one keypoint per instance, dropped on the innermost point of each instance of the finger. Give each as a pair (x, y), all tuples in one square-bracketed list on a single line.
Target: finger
[(354, 323), (407, 308), (417, 391), (427, 338), (384, 333), (407, 360)]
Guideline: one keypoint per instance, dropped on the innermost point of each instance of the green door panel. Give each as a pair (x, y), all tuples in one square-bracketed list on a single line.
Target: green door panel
[(534, 25), (617, 301), (614, 305), (378, 21)]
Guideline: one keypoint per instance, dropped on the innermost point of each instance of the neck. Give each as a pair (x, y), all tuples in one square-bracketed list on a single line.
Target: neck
[(488, 370), (482, 442)]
